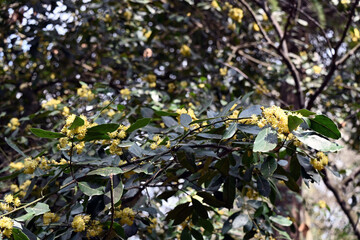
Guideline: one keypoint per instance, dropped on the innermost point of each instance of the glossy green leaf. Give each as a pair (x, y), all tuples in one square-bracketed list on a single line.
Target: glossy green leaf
[(263, 186), (196, 234), (199, 208), (293, 122), (240, 221), (18, 234), (317, 142), (325, 126), (185, 234), (45, 134), (13, 146), (105, 172), (230, 131), (266, 140), (78, 122), (90, 136), (103, 128), (305, 112), (185, 120), (140, 123), (90, 191), (283, 221), (38, 209), (269, 166), (163, 113)]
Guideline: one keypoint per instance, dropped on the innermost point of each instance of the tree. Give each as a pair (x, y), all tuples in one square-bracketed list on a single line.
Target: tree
[(146, 101)]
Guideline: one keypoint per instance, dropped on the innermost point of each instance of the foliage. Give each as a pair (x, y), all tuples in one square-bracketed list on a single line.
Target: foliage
[(113, 110)]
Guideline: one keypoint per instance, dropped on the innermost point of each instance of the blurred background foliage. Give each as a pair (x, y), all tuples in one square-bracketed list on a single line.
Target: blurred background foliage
[(173, 54)]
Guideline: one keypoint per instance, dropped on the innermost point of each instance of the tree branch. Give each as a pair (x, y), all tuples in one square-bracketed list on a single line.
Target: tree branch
[(333, 66), (351, 215)]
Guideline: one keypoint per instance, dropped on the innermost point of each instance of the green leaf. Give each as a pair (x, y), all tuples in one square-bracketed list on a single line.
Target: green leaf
[(163, 113), (187, 160), (229, 191), (293, 122), (138, 124), (207, 225), (185, 234), (211, 200), (304, 112), (240, 221), (325, 126), (253, 110), (105, 172), (263, 186), (88, 190), (316, 142), (18, 234), (120, 107), (13, 146), (78, 122), (25, 217), (266, 140), (90, 136), (38, 209), (269, 166), (179, 213), (167, 194), (283, 221), (185, 120), (230, 131), (103, 128), (196, 234), (199, 208), (45, 134)]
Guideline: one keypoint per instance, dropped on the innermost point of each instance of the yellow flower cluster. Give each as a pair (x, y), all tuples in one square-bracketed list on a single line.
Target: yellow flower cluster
[(171, 87), (80, 131), (261, 88), (256, 27), (50, 217), (355, 35), (236, 14), (152, 225), (320, 161), (52, 103), (317, 69), (94, 229), (116, 136), (66, 111), (16, 166), (21, 190), (322, 204), (13, 124), (157, 142), (79, 222), (252, 194), (31, 164), (223, 71), (127, 15), (85, 92), (191, 113), (126, 215), (9, 203), (151, 79), (253, 120), (215, 4), (125, 93), (6, 226), (185, 50), (338, 82)]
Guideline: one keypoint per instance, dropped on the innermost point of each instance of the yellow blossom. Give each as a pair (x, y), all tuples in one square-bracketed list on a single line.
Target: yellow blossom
[(215, 4), (223, 71), (66, 111), (171, 87), (16, 166), (126, 216), (50, 217), (51, 103), (30, 165), (185, 50), (85, 92), (94, 229), (232, 26), (127, 15), (125, 93), (355, 35), (13, 124), (79, 222), (6, 226), (317, 69), (322, 204), (256, 27), (236, 14)]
